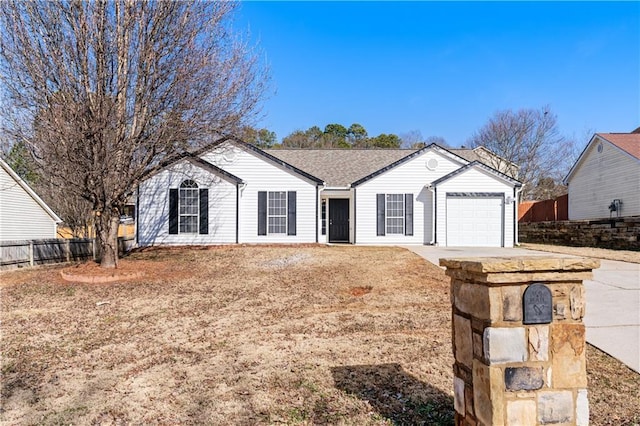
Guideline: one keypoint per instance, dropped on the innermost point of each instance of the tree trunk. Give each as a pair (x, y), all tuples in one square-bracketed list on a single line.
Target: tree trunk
[(107, 239)]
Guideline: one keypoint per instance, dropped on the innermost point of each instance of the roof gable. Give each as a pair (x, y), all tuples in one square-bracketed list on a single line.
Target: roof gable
[(627, 143), (477, 165), (266, 155), (403, 160), (29, 191), (198, 162)]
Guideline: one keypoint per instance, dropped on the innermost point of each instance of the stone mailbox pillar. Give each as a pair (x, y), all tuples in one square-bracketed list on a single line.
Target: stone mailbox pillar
[(519, 340)]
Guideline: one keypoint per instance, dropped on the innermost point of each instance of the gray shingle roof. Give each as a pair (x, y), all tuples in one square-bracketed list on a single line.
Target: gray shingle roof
[(467, 154), (340, 167)]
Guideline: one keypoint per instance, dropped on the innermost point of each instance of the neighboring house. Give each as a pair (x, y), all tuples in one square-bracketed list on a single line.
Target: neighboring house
[(234, 192), (23, 215), (605, 180)]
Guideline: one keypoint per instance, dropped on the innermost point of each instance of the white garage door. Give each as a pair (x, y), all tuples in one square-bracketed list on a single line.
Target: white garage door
[(474, 221)]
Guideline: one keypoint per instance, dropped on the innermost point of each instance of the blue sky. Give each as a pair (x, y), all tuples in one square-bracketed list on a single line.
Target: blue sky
[(443, 68)]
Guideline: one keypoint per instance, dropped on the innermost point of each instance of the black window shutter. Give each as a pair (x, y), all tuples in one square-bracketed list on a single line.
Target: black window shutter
[(291, 213), (173, 211), (408, 214), (262, 213), (204, 211), (380, 214)]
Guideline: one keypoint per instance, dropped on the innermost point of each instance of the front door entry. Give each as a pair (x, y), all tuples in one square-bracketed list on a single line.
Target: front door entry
[(338, 220)]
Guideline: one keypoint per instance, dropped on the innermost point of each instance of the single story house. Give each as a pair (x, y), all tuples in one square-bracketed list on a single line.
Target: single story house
[(605, 180), (23, 215), (233, 192)]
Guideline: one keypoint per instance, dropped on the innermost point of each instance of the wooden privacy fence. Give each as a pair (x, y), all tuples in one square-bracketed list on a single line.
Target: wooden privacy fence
[(21, 253), (544, 211)]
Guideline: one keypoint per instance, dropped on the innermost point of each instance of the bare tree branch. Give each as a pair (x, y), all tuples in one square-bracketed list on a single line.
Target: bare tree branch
[(529, 138), (102, 92)]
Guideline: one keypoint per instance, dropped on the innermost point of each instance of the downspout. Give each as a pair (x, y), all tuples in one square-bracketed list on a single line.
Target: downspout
[(433, 215), (137, 215), (317, 205), (355, 229), (239, 187), (516, 192)]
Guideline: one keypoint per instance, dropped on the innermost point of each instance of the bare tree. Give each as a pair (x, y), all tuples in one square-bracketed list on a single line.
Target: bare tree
[(103, 91), (529, 138)]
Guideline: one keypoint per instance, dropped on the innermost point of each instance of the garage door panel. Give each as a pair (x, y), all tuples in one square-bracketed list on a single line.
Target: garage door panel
[(474, 221)]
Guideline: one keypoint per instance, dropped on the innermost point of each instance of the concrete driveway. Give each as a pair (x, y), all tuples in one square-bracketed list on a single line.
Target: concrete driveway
[(612, 316)]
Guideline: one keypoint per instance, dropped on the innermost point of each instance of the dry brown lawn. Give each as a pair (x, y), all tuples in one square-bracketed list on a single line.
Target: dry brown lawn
[(246, 335)]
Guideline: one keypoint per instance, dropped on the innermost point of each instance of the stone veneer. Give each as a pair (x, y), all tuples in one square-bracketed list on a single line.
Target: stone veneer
[(507, 372), (621, 233)]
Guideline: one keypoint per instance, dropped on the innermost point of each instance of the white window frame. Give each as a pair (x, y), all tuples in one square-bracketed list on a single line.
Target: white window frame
[(277, 213), (393, 213), (188, 199)]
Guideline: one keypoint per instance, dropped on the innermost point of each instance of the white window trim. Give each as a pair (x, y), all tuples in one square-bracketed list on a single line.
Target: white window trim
[(388, 216), (285, 215), (181, 215)]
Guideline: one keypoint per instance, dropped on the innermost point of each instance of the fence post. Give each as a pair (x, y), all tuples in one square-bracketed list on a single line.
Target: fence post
[(30, 253), (93, 248), (68, 247)]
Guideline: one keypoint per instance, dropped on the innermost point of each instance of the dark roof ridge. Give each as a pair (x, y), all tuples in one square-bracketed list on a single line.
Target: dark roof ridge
[(481, 165), (404, 159)]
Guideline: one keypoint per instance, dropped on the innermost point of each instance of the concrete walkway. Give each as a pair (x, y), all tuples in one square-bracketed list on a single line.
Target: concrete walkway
[(612, 316)]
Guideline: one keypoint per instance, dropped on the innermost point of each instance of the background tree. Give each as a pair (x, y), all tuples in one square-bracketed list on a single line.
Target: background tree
[(529, 138), (335, 136), (262, 138), (384, 140), (310, 138), (102, 92), (20, 161), (74, 211), (357, 135)]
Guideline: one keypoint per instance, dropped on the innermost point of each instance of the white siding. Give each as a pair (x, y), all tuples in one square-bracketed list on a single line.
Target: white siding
[(411, 177), (153, 208), (474, 180), (602, 177), (21, 216), (260, 174)]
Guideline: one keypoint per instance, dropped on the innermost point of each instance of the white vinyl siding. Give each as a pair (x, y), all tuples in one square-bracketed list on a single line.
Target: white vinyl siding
[(153, 209), (602, 177), (412, 177), (474, 180), (21, 216), (260, 174)]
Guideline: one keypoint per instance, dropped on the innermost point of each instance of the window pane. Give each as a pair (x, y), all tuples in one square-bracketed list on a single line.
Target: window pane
[(188, 224)]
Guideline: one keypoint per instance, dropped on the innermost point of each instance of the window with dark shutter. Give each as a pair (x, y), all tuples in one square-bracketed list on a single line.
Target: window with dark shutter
[(408, 214), (380, 214), (291, 213), (173, 211), (262, 213), (204, 211)]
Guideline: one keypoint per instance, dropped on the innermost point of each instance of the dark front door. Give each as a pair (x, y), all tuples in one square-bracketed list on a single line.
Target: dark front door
[(338, 220)]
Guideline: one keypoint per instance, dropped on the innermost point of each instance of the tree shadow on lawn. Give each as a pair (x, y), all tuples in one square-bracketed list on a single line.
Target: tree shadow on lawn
[(396, 394)]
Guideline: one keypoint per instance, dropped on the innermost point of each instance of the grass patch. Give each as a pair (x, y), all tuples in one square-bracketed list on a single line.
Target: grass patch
[(247, 335)]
